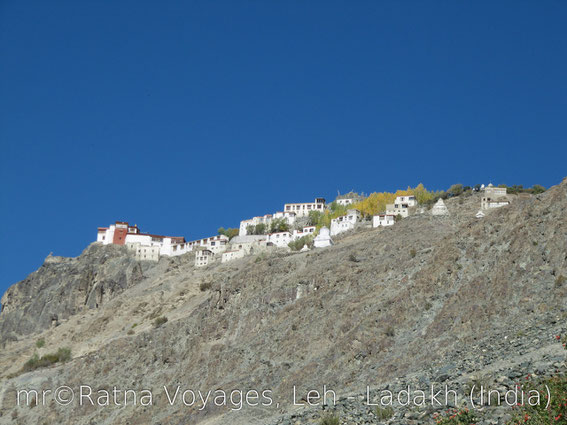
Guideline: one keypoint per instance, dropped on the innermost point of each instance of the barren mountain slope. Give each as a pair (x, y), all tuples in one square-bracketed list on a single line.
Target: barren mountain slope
[(427, 293)]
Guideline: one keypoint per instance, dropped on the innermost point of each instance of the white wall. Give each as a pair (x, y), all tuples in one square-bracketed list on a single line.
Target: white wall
[(344, 223), (383, 220), (232, 255), (323, 239), (281, 239)]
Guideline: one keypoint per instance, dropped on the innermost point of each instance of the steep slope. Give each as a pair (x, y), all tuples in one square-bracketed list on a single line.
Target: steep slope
[(430, 294), (65, 286)]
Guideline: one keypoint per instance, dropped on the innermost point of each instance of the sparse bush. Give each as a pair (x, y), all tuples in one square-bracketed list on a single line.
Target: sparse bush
[(314, 218), (229, 233), (560, 280), (299, 243), (384, 413), (454, 417), (205, 286), (456, 189), (329, 419), (258, 229), (130, 332), (35, 362), (412, 253), (353, 258), (40, 343), (279, 225), (390, 331), (537, 189), (541, 414), (160, 321)]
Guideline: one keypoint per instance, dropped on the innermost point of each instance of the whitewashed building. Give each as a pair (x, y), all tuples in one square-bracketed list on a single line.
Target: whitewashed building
[(323, 239), (401, 205), (249, 243), (439, 208), (406, 201), (306, 231), (288, 216), (397, 209), (345, 201), (383, 220), (144, 252), (203, 257), (494, 197), (345, 222), (215, 244), (348, 199), (122, 233), (303, 209), (232, 255), (254, 221), (280, 239), (241, 246)]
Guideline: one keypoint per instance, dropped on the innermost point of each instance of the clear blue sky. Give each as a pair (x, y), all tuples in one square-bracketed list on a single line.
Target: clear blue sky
[(186, 116)]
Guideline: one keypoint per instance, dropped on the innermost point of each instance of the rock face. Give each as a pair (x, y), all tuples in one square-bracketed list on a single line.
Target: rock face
[(428, 300), (63, 287)]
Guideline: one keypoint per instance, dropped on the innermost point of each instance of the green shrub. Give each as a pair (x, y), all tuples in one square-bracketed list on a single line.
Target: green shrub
[(454, 417), (537, 189), (230, 233), (384, 413), (35, 362), (297, 244), (540, 414), (329, 419), (456, 189), (390, 331), (205, 286), (560, 280), (160, 321), (412, 253), (279, 225), (130, 332), (258, 229), (40, 343)]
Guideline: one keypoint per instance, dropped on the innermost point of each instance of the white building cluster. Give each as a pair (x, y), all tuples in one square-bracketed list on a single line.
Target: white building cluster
[(345, 222), (145, 245), (349, 199), (494, 197), (401, 205), (150, 247)]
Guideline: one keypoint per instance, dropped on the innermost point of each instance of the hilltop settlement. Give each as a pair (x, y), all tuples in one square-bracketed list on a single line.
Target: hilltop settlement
[(294, 228)]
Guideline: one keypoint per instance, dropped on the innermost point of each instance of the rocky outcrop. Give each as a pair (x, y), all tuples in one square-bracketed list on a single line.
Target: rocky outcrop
[(62, 287)]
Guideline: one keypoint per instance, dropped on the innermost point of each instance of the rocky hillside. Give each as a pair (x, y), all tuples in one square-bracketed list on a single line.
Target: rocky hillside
[(430, 300), (63, 287)]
